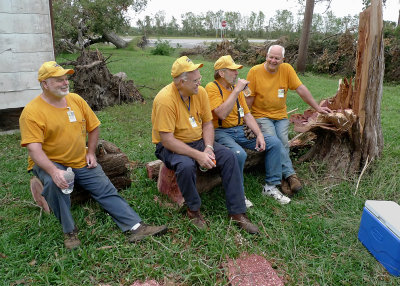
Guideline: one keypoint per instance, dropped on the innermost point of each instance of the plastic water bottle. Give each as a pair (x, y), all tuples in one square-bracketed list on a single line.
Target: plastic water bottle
[(69, 176), (246, 91)]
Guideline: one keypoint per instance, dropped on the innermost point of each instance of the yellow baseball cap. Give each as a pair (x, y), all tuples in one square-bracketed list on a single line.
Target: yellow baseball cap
[(52, 69), (226, 62), (183, 64)]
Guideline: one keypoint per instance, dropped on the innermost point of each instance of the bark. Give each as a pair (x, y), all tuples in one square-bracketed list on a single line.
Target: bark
[(352, 135), (112, 37), (305, 36)]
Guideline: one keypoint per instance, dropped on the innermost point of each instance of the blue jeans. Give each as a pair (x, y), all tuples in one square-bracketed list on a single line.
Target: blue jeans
[(186, 168), (234, 139), (101, 189), (279, 128)]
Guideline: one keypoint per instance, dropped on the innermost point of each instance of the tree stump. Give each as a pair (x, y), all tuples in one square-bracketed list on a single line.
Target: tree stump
[(349, 138)]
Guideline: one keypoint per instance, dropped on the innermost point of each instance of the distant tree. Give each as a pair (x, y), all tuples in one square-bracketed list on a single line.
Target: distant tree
[(81, 23), (305, 36), (260, 23), (282, 22)]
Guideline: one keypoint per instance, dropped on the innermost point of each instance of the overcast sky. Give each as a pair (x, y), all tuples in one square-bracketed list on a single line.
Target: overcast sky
[(175, 8)]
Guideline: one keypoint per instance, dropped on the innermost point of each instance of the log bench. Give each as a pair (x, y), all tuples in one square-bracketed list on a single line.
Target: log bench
[(206, 181), (115, 165)]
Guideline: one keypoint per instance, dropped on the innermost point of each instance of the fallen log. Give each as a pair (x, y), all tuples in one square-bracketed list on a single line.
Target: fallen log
[(254, 159)]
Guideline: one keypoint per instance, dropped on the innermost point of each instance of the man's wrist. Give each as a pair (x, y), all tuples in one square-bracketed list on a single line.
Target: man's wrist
[(210, 146)]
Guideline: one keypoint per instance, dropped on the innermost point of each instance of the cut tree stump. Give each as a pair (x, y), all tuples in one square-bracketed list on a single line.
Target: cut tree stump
[(351, 136)]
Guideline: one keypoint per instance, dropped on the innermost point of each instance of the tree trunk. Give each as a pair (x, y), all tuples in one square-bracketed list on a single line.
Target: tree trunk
[(305, 35), (351, 136), (398, 19), (115, 39)]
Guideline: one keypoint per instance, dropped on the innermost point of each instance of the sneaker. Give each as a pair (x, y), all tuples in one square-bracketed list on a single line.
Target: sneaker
[(272, 191), (244, 223), (197, 219), (294, 183), (71, 240), (145, 230), (248, 203)]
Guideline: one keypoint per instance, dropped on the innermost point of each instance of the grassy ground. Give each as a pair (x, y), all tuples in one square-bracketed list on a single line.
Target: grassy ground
[(311, 241)]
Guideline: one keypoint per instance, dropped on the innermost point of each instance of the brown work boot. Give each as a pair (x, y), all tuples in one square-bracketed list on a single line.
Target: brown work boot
[(145, 230), (197, 219), (285, 188), (244, 223), (71, 239), (294, 183)]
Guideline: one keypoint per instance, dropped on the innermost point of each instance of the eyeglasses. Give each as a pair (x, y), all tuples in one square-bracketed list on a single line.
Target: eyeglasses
[(195, 81)]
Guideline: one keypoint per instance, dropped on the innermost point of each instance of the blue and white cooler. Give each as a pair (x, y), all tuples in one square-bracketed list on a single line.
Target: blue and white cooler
[(380, 233)]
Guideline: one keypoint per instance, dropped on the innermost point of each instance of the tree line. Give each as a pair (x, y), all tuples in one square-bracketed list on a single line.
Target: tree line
[(256, 25)]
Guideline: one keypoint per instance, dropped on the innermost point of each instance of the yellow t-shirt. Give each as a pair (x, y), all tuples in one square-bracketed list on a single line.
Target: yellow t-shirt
[(270, 90), (171, 114), (62, 141), (216, 100)]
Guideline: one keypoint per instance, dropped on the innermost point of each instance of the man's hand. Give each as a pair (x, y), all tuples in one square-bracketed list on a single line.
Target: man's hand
[(260, 143), (57, 175), (207, 159), (324, 109), (91, 160)]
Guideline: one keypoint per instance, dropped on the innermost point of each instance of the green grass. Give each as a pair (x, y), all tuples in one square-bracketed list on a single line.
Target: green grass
[(311, 241)]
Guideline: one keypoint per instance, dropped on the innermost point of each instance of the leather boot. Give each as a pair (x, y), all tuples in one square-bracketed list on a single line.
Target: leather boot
[(294, 183), (285, 188), (197, 219), (244, 223)]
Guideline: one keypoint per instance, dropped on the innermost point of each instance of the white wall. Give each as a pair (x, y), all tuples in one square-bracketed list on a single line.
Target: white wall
[(25, 43)]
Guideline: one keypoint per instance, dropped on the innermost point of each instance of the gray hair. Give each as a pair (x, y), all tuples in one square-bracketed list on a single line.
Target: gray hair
[(283, 49), (182, 76)]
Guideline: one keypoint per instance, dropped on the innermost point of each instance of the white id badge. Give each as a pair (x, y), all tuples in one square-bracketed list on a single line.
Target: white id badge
[(281, 93), (192, 121), (241, 111), (71, 115)]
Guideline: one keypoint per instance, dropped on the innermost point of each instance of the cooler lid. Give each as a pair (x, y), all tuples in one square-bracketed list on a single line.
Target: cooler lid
[(388, 212)]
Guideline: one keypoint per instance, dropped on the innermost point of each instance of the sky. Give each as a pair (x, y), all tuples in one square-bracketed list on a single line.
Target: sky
[(340, 8)]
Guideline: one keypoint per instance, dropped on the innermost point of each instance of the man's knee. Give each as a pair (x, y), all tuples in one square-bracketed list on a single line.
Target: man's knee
[(273, 142), (186, 167), (241, 156)]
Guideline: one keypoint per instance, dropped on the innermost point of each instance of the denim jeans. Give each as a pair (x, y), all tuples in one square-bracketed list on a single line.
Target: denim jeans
[(279, 128), (234, 139), (186, 168), (101, 189)]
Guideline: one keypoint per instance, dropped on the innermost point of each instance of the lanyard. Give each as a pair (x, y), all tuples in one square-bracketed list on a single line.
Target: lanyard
[(187, 106), (237, 103)]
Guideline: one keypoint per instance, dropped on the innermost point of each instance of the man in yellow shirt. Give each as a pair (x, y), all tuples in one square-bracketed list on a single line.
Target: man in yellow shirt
[(184, 136), (54, 126), (269, 83), (230, 111)]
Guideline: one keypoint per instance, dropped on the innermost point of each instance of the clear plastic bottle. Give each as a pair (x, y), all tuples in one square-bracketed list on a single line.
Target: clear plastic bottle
[(246, 91), (69, 177)]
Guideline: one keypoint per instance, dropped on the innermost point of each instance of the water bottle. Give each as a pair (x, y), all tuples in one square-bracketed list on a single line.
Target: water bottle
[(203, 169), (246, 91), (69, 176)]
